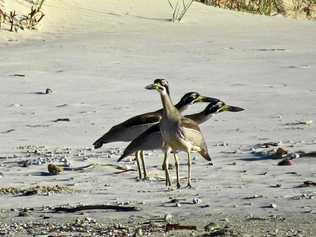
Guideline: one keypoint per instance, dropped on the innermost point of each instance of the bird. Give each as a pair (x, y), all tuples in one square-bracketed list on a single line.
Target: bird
[(151, 139), (131, 128), (178, 133)]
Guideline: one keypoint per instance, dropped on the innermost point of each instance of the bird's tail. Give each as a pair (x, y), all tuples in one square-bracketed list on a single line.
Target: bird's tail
[(110, 136), (122, 157), (129, 150), (204, 153), (98, 143)]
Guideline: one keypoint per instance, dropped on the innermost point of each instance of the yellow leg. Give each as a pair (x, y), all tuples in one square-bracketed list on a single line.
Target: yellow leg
[(138, 165), (143, 164), (189, 169), (176, 161), (168, 181)]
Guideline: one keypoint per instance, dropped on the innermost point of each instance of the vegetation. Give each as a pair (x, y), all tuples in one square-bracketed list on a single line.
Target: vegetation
[(294, 8), (22, 22), (265, 7), (179, 9), (304, 8)]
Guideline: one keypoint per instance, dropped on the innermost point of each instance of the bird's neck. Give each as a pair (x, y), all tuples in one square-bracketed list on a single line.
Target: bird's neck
[(181, 106), (200, 117), (169, 110)]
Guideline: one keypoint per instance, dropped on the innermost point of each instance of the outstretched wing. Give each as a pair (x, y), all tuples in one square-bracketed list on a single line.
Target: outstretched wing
[(148, 118), (129, 129), (148, 140)]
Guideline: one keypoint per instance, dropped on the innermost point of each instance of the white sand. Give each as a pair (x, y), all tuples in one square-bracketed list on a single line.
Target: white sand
[(97, 59)]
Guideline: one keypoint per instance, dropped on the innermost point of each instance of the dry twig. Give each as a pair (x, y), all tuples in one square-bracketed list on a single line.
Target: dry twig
[(93, 207), (170, 227), (178, 10), (16, 22)]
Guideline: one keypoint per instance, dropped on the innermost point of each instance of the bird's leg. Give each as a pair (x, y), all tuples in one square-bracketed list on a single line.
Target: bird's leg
[(176, 160), (163, 167), (138, 165), (189, 169), (143, 164), (168, 181)]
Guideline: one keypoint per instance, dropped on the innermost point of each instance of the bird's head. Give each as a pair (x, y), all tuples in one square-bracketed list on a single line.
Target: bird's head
[(195, 97), (220, 106), (160, 85)]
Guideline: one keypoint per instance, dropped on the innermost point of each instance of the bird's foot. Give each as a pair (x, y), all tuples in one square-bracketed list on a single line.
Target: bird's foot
[(178, 185), (170, 188), (168, 183), (189, 186), (146, 178), (170, 167)]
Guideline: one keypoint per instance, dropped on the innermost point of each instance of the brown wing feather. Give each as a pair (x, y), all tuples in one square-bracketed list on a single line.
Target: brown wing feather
[(139, 120), (189, 123), (152, 117)]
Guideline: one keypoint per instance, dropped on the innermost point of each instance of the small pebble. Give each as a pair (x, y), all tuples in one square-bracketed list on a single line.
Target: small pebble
[(23, 213), (294, 155), (275, 186), (16, 105), (308, 122), (139, 232), (196, 200), (273, 205), (281, 152), (54, 169), (285, 162), (48, 91), (211, 227), (168, 217)]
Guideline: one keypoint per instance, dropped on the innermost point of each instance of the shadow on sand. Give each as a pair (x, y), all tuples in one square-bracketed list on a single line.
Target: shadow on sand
[(260, 157), (152, 18)]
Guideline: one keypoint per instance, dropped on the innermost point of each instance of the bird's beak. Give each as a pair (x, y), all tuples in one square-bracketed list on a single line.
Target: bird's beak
[(206, 99), (231, 108), (151, 87)]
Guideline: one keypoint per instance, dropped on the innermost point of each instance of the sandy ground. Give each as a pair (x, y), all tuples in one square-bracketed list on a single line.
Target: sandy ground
[(97, 60)]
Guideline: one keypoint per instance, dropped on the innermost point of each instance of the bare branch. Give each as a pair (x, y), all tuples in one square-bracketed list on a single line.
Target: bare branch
[(170, 4)]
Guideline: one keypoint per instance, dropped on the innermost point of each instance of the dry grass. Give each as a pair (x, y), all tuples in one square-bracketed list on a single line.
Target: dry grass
[(293, 8), (179, 9), (21, 22), (35, 190)]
